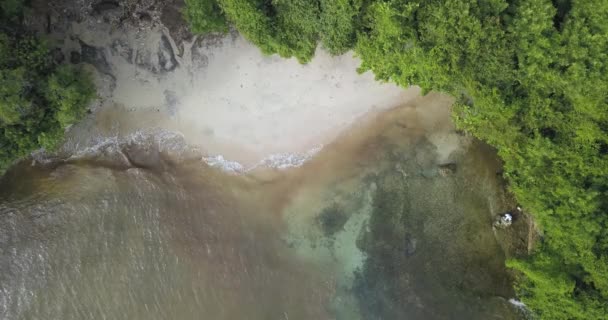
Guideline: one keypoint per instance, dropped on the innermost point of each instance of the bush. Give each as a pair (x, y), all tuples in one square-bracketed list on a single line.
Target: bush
[(205, 16), (11, 9), (338, 22), (38, 99), (531, 80), (290, 28)]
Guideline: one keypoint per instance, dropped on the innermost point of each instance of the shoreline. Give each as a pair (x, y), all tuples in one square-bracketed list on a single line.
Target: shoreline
[(225, 96)]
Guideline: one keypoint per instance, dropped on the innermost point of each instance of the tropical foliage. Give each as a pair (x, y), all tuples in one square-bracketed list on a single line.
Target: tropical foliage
[(205, 16), (38, 98), (530, 78)]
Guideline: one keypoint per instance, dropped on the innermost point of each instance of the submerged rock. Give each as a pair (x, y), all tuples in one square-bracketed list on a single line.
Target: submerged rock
[(160, 62), (75, 57), (447, 169), (57, 55), (122, 48), (504, 220), (105, 6), (95, 56), (166, 56), (429, 251), (410, 246), (332, 220), (199, 58), (171, 16)]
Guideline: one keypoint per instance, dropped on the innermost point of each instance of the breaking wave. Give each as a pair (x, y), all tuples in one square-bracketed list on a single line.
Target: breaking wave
[(275, 161), (151, 148)]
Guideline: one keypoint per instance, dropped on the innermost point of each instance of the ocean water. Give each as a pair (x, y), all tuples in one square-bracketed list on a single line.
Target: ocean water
[(142, 226)]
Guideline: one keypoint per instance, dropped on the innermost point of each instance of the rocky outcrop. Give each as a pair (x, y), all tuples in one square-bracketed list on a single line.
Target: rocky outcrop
[(159, 62), (447, 169), (410, 245), (504, 220), (166, 55), (54, 16), (332, 220), (123, 49), (105, 6), (75, 57), (172, 18), (95, 56)]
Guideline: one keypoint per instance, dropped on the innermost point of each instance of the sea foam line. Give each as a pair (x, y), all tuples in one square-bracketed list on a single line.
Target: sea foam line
[(164, 140), (275, 161)]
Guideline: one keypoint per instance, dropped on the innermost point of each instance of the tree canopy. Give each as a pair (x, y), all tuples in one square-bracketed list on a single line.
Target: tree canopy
[(39, 99), (530, 78)]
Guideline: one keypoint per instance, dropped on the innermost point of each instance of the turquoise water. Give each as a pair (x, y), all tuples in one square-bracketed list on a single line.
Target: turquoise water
[(370, 228)]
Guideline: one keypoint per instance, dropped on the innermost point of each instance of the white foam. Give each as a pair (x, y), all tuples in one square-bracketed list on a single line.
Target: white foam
[(517, 303), (279, 161), (218, 161), (99, 145), (288, 160)]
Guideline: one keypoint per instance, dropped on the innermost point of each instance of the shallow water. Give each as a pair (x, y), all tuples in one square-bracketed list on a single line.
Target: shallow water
[(366, 229)]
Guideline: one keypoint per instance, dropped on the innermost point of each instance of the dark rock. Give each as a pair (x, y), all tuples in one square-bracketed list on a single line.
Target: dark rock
[(410, 246), (122, 48), (447, 169), (49, 23), (58, 56), (332, 220), (143, 59), (104, 6), (166, 56), (173, 19), (144, 16), (96, 57), (162, 62), (143, 155), (75, 57)]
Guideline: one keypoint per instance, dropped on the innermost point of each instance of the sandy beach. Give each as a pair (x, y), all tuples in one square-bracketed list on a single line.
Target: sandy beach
[(230, 100)]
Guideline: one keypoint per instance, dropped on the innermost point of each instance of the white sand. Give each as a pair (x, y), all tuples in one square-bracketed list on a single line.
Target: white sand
[(271, 105), (243, 105)]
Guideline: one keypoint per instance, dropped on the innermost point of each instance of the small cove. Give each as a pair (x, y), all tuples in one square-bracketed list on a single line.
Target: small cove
[(131, 220)]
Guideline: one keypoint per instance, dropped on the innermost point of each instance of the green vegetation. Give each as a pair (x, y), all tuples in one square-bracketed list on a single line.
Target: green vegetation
[(12, 8), (531, 79), (205, 16), (290, 28), (337, 24), (38, 98), (533, 84)]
